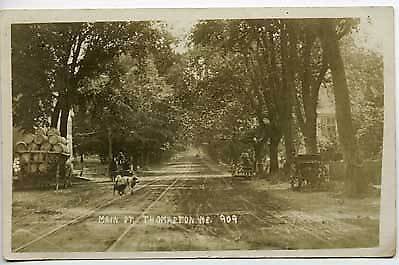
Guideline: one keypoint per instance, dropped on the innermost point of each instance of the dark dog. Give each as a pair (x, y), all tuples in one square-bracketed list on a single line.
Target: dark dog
[(123, 183)]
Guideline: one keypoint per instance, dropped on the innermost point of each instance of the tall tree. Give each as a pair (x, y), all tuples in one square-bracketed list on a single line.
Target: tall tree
[(129, 107), (258, 45), (74, 52), (310, 69), (364, 72), (329, 38)]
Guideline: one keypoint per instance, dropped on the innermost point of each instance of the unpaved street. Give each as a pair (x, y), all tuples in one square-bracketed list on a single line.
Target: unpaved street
[(190, 204)]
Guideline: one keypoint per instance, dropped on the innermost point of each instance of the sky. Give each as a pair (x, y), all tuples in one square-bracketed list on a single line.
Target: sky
[(180, 29), (370, 34)]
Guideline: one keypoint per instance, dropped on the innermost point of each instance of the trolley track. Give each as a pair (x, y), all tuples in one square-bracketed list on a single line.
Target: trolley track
[(114, 244), (80, 218), (264, 216), (264, 221)]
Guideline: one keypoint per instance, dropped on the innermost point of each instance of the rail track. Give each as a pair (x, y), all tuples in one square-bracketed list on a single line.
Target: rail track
[(147, 208), (263, 215), (80, 218), (263, 220)]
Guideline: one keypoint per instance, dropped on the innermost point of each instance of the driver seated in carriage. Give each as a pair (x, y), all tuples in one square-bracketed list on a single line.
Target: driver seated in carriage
[(244, 167)]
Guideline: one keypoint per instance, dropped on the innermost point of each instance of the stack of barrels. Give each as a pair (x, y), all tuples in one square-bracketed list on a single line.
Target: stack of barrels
[(39, 149)]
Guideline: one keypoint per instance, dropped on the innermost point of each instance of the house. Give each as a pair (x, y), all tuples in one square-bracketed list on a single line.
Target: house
[(326, 121)]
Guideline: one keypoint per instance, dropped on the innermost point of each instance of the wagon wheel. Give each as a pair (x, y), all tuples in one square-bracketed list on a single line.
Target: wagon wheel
[(68, 178), (323, 175), (303, 179), (294, 180), (312, 176)]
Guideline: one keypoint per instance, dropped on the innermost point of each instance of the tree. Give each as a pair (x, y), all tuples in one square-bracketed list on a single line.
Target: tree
[(310, 69), (130, 108), (365, 79), (262, 47), (71, 53), (329, 38), (32, 78)]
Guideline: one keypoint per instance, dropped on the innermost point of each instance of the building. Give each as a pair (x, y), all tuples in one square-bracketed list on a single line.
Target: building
[(326, 121)]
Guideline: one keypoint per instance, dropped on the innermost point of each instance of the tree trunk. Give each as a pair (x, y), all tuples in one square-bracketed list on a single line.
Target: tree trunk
[(274, 141), (310, 132), (64, 121), (289, 146), (355, 184), (55, 115), (288, 84), (310, 86), (259, 152)]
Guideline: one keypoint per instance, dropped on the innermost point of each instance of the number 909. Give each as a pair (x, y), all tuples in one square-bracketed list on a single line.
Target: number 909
[(227, 219)]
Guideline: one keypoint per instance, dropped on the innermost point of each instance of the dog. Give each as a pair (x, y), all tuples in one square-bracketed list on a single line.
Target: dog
[(125, 182)]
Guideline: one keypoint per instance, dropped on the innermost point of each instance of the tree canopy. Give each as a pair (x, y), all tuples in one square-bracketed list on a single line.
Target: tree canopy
[(243, 85)]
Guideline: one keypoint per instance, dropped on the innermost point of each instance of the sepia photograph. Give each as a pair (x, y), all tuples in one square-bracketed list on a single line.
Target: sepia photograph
[(205, 133)]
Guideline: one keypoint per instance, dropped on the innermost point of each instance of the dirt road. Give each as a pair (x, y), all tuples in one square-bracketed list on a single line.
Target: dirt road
[(189, 204)]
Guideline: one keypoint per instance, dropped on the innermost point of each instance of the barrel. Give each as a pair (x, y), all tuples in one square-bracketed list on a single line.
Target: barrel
[(43, 156), (28, 138), (53, 139), (53, 131), (41, 131), (25, 157), (46, 146), (40, 138), (33, 147), (38, 157), (59, 148), (21, 146)]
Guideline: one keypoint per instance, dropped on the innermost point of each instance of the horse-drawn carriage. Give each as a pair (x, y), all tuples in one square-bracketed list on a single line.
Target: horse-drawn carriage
[(120, 165), (241, 171), (308, 171), (243, 168)]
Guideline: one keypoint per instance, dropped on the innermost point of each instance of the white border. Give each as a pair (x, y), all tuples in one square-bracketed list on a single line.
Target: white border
[(96, 4)]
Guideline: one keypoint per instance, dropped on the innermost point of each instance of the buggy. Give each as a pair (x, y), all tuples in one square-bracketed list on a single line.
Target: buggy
[(308, 171), (243, 168)]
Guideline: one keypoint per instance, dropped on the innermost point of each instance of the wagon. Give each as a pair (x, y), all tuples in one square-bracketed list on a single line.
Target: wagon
[(42, 160), (50, 170), (243, 168), (308, 171), (241, 171)]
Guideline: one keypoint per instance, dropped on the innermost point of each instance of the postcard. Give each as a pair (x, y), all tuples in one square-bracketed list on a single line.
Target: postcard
[(198, 133)]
